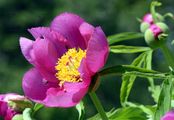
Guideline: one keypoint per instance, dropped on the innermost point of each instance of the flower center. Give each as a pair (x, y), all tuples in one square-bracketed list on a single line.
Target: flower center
[(67, 66)]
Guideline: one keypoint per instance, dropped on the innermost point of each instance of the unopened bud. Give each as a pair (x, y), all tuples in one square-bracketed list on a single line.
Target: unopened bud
[(156, 31), (18, 103), (147, 21)]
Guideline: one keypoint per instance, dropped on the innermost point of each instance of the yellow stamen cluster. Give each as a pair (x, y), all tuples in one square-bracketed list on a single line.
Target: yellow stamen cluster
[(67, 66)]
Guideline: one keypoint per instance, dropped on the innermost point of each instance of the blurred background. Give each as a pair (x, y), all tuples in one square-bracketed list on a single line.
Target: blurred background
[(114, 16)]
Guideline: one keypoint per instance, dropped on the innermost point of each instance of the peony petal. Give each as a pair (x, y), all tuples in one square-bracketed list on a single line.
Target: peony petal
[(2, 97), (34, 85), (3, 108), (86, 31), (9, 114), (70, 96), (39, 31), (85, 72), (68, 25), (26, 48), (45, 58), (56, 38), (97, 50), (72, 93)]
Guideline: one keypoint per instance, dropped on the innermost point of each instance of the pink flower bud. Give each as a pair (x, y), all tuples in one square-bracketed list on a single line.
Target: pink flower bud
[(147, 21), (152, 34)]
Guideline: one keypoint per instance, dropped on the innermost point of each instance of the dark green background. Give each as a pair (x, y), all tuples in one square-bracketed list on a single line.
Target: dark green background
[(114, 16)]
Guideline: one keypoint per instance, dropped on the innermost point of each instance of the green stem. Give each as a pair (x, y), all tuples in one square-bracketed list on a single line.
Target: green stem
[(98, 105), (168, 55), (152, 10)]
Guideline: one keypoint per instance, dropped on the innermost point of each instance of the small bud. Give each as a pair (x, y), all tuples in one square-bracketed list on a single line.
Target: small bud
[(18, 103), (147, 21), (154, 33)]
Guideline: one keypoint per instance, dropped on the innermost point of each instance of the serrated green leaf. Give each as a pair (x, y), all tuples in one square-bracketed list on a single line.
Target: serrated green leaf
[(149, 110), (127, 113), (128, 49), (164, 101), (127, 81), (81, 110), (124, 36), (132, 70), (152, 88)]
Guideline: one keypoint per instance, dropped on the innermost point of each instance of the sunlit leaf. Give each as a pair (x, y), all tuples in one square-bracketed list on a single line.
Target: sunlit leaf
[(132, 70), (164, 101), (127, 113), (81, 110), (149, 110), (124, 36), (127, 81), (37, 107), (128, 49)]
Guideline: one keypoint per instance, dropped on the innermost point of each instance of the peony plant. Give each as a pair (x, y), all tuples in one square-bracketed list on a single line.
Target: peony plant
[(68, 59)]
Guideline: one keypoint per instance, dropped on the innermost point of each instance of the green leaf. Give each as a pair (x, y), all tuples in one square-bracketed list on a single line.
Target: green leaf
[(164, 101), (152, 88), (132, 70), (170, 15), (128, 49), (27, 114), (81, 110), (127, 81), (149, 110), (37, 107), (155, 92), (127, 113), (124, 36)]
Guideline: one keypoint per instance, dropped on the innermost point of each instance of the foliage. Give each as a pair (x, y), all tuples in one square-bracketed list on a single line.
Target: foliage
[(114, 17)]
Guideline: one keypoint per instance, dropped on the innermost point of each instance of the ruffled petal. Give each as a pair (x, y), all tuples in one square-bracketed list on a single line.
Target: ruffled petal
[(97, 50), (67, 97), (26, 48), (34, 86), (85, 73), (46, 57), (39, 32), (67, 24), (71, 93), (3, 108), (86, 31), (61, 43), (9, 114)]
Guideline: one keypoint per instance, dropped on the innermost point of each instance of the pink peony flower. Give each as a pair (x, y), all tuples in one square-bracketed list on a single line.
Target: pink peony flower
[(5, 110), (65, 56), (168, 116)]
